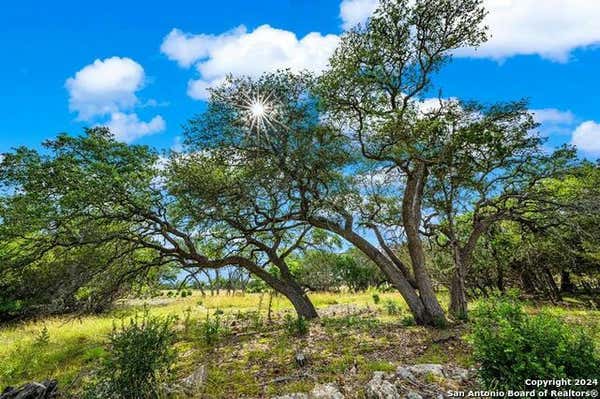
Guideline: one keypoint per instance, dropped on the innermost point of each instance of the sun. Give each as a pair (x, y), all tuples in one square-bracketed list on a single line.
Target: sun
[(257, 109)]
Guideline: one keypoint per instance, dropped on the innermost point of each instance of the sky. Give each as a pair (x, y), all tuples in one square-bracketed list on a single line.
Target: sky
[(142, 67)]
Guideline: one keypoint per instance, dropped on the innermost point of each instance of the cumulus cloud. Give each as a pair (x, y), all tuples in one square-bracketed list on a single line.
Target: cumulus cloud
[(186, 48), (554, 121), (549, 28), (241, 52), (105, 86), (587, 138), (108, 88), (128, 127), (353, 12)]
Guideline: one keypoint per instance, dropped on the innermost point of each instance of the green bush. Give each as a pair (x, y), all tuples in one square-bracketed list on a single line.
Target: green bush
[(139, 360), (391, 307), (211, 330), (376, 299), (295, 325), (513, 346)]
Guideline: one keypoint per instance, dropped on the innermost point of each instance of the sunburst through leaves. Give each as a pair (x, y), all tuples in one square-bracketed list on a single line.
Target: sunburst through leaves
[(260, 112)]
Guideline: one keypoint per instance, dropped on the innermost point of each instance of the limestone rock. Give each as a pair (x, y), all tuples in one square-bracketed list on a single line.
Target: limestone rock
[(427, 369), (413, 395), (380, 388), (292, 396), (192, 383), (326, 391)]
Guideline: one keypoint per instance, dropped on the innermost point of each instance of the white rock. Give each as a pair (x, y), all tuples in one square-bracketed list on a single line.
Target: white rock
[(427, 369), (413, 395), (380, 388), (194, 381), (326, 391), (404, 373), (292, 396)]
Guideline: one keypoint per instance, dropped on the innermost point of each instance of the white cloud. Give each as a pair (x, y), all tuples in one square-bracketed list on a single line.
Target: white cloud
[(587, 138), (240, 52), (353, 12), (186, 48), (128, 127), (548, 28), (552, 115), (105, 86), (554, 121)]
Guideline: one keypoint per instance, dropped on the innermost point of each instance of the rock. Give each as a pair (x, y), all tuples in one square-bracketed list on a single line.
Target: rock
[(404, 373), (192, 383), (292, 396), (300, 359), (326, 391), (380, 388), (457, 373), (413, 395), (422, 370), (32, 390)]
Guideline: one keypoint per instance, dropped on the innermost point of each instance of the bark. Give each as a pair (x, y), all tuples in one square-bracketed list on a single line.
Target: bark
[(411, 218), (395, 276), (458, 295), (287, 287), (566, 285), (462, 263)]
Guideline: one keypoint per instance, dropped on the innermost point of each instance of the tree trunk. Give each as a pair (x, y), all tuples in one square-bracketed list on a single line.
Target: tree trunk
[(458, 295), (389, 269), (566, 285), (286, 287), (411, 218)]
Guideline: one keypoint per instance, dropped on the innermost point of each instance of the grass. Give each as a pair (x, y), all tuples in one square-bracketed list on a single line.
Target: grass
[(253, 357)]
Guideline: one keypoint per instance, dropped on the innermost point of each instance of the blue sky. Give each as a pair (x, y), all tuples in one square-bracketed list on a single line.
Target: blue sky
[(142, 67)]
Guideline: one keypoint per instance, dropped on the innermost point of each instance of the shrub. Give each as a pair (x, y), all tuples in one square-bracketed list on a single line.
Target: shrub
[(513, 346), (295, 325), (138, 362), (212, 329), (43, 337), (391, 308), (376, 299), (408, 321)]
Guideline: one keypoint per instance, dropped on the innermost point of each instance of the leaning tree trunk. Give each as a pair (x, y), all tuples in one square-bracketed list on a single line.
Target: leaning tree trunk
[(411, 218), (302, 304), (389, 269), (287, 287)]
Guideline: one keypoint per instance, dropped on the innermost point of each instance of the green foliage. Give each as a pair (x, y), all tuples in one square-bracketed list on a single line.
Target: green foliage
[(296, 326), (43, 337), (376, 299), (211, 330), (513, 346), (408, 321), (391, 307), (138, 362)]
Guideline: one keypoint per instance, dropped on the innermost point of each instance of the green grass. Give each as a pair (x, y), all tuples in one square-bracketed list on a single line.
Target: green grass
[(256, 357)]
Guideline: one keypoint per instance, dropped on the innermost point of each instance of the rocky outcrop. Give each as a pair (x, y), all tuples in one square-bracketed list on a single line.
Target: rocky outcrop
[(32, 390), (419, 381), (321, 391)]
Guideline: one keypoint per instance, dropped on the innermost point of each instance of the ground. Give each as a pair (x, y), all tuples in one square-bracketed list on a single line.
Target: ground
[(248, 355)]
